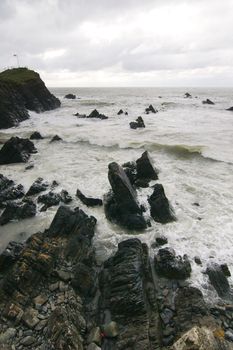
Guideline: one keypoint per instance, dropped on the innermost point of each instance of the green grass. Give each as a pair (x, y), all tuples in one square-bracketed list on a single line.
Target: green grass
[(18, 75)]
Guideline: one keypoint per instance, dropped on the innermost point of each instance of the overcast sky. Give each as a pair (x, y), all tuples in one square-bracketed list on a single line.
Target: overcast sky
[(120, 42)]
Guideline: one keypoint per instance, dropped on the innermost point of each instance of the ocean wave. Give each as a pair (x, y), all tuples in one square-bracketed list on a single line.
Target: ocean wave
[(177, 150), (95, 103)]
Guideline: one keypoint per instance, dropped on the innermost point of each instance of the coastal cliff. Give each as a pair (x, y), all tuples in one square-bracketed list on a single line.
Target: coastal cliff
[(21, 90)]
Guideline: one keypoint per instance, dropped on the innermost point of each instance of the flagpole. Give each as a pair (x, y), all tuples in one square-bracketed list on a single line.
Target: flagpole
[(17, 58)]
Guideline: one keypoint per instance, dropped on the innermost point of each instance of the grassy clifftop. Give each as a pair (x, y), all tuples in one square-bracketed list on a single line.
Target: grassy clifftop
[(18, 75)]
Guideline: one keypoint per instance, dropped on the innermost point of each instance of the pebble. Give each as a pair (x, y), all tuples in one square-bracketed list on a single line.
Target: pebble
[(9, 334), (27, 341), (229, 335)]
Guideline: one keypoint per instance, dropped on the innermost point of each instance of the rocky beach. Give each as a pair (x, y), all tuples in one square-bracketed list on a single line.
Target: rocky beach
[(115, 218)]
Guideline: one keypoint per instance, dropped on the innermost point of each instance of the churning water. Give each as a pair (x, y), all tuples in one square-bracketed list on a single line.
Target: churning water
[(190, 143)]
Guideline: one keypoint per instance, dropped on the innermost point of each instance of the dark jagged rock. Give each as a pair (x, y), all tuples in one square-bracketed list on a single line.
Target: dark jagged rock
[(169, 265), (94, 114), (88, 201), (18, 211), (218, 279), (150, 109), (187, 95), (120, 112), (145, 169), (225, 270), (70, 96), (131, 171), (65, 197), (56, 138), (159, 206), (208, 102), (121, 205), (159, 241), (229, 109), (127, 290), (36, 136), (5, 183), (21, 90), (88, 278), (51, 198), (191, 309), (38, 186), (139, 123), (10, 255), (11, 193), (16, 150)]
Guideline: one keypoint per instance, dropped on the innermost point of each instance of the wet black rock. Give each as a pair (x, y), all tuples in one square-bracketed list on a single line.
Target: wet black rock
[(197, 260), (49, 199), (5, 182), (187, 95), (150, 109), (208, 102), (96, 114), (159, 206), (88, 201), (65, 197), (139, 123), (131, 171), (10, 255), (121, 205), (127, 290), (11, 193), (225, 270), (36, 136), (38, 186), (16, 150), (56, 138), (120, 112), (159, 241), (70, 96), (218, 279), (169, 265), (145, 169), (229, 109), (18, 211)]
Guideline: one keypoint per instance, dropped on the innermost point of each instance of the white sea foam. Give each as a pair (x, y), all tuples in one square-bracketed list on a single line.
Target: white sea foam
[(189, 142)]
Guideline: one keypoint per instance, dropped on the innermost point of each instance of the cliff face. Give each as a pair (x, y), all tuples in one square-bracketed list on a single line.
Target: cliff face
[(21, 90)]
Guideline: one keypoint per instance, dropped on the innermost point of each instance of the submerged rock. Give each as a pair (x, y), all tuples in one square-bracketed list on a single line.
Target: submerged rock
[(70, 96), (159, 206), (120, 112), (169, 265), (150, 109), (208, 102), (121, 205), (218, 279), (16, 150), (139, 123), (187, 95), (36, 136), (88, 201), (229, 109)]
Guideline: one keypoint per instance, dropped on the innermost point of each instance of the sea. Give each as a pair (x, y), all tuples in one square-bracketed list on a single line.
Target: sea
[(191, 144)]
